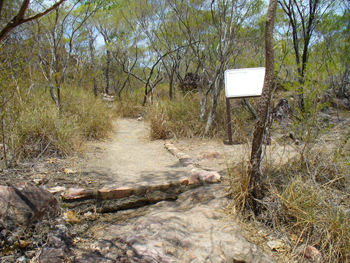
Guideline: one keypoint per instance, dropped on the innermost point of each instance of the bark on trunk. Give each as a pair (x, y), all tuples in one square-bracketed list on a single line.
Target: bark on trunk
[(93, 67), (256, 190), (108, 63)]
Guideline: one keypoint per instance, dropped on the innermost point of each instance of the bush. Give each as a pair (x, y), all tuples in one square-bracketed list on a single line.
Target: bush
[(180, 118), (35, 127), (130, 105)]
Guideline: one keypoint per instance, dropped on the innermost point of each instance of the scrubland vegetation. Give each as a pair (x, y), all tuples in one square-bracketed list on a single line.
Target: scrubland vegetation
[(65, 77)]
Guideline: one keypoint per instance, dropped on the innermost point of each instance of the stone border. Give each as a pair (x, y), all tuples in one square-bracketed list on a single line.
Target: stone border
[(196, 177)]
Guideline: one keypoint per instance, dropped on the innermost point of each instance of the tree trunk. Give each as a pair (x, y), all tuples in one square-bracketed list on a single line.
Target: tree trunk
[(93, 67), (214, 104), (256, 189), (108, 63)]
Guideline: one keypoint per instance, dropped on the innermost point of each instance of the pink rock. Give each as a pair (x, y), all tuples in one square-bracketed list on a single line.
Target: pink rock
[(193, 179), (186, 161), (313, 254), (210, 176), (209, 155), (115, 193), (75, 194), (25, 203), (57, 189)]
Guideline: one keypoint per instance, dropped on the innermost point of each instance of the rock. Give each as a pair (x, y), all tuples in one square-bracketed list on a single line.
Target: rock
[(57, 189), (117, 193), (210, 176), (159, 186), (53, 255), (310, 253), (184, 180), (24, 204), (106, 251), (193, 179), (68, 171), (209, 155), (74, 194), (186, 161), (281, 112), (246, 252), (58, 244)]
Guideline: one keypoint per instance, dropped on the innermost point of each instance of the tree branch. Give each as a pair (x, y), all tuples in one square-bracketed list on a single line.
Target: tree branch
[(19, 18)]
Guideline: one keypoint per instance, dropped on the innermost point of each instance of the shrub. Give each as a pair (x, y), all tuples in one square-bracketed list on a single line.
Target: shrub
[(35, 127), (180, 118)]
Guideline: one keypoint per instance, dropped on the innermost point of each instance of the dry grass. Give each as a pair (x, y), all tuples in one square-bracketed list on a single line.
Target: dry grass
[(306, 197), (130, 105), (35, 127), (180, 118)]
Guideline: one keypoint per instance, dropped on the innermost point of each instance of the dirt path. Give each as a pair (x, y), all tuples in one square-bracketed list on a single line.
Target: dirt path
[(191, 229), (130, 157)]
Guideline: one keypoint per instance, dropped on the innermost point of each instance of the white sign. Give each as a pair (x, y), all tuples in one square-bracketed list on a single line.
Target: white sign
[(244, 82)]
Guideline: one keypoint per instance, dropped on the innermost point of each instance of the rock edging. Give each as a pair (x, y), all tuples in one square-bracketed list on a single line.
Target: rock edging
[(145, 192)]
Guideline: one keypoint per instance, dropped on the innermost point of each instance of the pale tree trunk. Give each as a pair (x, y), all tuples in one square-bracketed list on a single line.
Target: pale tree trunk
[(93, 66), (214, 103), (256, 189)]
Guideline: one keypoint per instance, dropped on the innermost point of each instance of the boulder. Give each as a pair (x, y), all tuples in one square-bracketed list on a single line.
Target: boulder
[(23, 204)]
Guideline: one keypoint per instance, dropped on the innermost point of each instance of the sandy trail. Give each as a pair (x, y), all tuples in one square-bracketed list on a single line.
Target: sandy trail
[(130, 157)]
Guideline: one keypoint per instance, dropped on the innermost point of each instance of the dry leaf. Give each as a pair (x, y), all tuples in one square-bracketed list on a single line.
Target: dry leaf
[(275, 245), (23, 243), (71, 217), (53, 160), (69, 171), (295, 238)]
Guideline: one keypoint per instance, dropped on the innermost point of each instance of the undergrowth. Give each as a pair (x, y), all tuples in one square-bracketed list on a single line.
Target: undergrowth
[(306, 194), (34, 127), (180, 118)]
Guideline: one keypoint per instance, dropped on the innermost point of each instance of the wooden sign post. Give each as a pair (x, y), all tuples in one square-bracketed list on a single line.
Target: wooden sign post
[(242, 83)]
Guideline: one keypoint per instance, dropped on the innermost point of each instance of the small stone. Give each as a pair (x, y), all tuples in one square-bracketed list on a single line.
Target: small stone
[(209, 155), (69, 171), (74, 194), (57, 189), (130, 253), (52, 255), (193, 179), (311, 253), (210, 176), (184, 180), (117, 193), (186, 161)]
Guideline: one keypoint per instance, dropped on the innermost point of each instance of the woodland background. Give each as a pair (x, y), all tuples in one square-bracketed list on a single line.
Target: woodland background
[(165, 60)]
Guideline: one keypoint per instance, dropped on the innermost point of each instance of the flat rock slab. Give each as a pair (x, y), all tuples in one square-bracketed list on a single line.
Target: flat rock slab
[(195, 178), (191, 229)]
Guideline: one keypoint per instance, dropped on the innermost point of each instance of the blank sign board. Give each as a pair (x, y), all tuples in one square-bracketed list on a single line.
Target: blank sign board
[(245, 82)]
